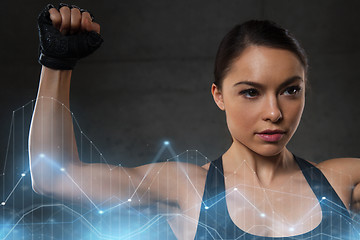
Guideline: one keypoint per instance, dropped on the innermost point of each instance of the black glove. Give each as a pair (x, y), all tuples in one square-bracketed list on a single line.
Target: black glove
[(59, 51)]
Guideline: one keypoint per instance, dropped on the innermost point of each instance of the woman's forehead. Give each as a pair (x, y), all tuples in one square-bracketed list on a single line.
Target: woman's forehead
[(265, 65)]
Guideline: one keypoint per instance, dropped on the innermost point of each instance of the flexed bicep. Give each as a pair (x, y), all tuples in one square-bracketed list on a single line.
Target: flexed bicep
[(67, 34), (164, 183)]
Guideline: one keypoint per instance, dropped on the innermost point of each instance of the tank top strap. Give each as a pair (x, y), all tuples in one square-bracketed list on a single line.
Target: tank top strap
[(321, 187), (215, 221), (215, 185)]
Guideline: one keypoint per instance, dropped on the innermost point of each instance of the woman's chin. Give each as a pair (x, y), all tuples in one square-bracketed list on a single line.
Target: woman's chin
[(269, 150), (263, 148)]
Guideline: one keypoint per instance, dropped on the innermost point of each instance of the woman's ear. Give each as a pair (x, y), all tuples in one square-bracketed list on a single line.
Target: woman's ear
[(218, 97)]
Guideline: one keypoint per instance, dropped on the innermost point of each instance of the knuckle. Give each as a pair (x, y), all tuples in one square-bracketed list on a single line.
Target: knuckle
[(75, 11), (75, 18), (86, 15), (55, 16), (84, 23), (64, 8)]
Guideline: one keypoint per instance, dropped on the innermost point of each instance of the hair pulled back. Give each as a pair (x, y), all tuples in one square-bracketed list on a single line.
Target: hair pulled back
[(254, 33)]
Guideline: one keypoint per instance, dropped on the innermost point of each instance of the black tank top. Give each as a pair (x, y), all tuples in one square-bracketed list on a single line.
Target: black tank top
[(215, 221)]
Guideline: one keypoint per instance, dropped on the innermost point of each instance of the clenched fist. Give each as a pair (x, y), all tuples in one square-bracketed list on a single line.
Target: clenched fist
[(66, 34)]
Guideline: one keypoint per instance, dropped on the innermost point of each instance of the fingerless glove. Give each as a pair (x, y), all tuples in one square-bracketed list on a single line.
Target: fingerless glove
[(59, 51)]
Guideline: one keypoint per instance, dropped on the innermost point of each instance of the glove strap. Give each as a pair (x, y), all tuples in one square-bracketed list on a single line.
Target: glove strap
[(56, 63)]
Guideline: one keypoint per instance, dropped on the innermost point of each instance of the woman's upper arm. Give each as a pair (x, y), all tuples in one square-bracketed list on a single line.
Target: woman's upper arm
[(165, 182)]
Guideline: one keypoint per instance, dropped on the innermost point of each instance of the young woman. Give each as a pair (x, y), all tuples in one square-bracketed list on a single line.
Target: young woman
[(256, 190)]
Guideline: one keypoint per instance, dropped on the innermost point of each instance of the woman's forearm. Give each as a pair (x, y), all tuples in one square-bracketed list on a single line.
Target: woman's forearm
[(52, 146)]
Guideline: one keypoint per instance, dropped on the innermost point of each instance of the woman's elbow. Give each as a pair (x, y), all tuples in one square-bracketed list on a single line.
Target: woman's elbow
[(36, 189)]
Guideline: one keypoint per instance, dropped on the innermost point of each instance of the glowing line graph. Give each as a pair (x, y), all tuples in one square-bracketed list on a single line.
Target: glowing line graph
[(149, 223), (82, 191), (12, 191), (98, 233), (150, 168), (43, 157), (10, 133), (192, 184), (8, 144), (157, 218)]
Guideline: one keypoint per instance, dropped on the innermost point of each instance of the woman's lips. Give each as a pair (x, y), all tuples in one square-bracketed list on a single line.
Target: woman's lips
[(270, 137)]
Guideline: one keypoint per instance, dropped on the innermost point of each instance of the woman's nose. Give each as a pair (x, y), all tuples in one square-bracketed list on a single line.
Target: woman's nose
[(272, 111)]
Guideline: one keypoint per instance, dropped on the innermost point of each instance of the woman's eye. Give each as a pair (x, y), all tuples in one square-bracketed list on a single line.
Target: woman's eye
[(249, 93), (292, 90)]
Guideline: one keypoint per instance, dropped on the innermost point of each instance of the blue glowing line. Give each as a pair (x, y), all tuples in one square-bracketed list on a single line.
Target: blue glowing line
[(82, 191), (171, 150), (12, 191), (97, 232), (8, 144), (142, 180), (42, 158), (157, 156), (144, 227), (309, 212), (154, 220), (187, 176)]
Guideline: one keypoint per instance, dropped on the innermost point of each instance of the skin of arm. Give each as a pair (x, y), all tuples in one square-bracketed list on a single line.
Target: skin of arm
[(55, 167), (47, 135), (57, 171), (351, 168), (54, 162), (344, 175)]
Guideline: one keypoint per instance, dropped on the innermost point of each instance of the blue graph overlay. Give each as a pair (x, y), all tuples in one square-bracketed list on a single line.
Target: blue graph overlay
[(26, 214)]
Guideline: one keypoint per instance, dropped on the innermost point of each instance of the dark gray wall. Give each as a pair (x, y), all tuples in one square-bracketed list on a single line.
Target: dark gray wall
[(150, 81)]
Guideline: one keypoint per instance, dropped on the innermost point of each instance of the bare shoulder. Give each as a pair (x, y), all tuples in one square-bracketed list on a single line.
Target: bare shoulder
[(344, 176), (345, 165), (337, 161)]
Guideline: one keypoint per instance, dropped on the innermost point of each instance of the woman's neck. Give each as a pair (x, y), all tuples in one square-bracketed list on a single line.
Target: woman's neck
[(265, 167)]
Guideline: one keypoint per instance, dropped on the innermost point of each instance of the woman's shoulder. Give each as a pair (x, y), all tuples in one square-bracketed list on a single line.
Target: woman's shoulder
[(345, 167), (344, 176), (341, 164)]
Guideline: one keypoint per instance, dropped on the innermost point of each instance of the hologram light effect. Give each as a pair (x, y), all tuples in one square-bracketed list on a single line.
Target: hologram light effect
[(28, 215)]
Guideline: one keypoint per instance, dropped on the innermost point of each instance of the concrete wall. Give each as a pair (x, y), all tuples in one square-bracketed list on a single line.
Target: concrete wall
[(150, 81)]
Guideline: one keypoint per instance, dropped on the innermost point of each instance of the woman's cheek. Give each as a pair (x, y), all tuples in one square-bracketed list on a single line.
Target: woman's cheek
[(239, 121), (295, 111)]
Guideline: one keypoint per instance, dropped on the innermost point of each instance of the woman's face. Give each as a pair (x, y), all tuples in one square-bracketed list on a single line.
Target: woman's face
[(263, 90)]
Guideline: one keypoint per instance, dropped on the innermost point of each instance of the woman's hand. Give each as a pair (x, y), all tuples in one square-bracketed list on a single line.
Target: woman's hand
[(66, 35), (71, 20)]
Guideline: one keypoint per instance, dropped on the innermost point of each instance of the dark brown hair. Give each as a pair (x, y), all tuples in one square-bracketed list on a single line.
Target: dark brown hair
[(254, 32)]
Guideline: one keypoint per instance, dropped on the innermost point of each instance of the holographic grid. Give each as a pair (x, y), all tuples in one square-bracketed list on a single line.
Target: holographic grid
[(27, 215)]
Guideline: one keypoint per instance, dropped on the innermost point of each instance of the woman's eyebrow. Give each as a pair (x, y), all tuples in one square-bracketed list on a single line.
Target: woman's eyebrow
[(259, 85)]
